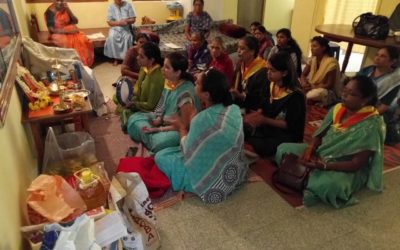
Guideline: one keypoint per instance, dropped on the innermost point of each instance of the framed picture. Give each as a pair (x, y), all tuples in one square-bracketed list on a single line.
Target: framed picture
[(10, 42)]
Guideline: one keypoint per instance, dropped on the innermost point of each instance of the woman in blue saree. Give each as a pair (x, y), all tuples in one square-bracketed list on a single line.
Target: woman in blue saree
[(387, 79), (177, 97), (346, 153), (209, 161)]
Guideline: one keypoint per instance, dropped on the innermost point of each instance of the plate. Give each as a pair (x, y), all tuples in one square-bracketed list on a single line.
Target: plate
[(71, 93), (58, 109)]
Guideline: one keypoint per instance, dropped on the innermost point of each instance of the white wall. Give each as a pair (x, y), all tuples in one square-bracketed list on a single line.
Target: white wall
[(278, 14)]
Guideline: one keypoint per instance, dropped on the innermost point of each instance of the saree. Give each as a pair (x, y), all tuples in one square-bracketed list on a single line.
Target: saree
[(170, 102), (388, 92), (210, 161), (78, 41), (318, 74), (336, 187), (120, 38)]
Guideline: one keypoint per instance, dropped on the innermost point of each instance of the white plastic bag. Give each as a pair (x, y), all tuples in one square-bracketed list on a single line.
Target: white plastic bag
[(79, 236), (137, 209), (67, 153)]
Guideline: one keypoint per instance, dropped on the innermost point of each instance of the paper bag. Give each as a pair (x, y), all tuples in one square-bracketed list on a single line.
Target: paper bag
[(137, 211)]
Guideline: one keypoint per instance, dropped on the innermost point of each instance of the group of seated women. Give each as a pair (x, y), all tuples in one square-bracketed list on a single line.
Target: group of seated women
[(196, 128)]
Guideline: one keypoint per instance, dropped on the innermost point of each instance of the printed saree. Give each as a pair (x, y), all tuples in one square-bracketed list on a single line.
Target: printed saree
[(337, 187), (210, 161), (170, 102)]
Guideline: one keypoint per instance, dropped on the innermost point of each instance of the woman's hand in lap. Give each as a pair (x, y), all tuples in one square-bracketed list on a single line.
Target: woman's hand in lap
[(254, 119), (156, 122), (317, 163)]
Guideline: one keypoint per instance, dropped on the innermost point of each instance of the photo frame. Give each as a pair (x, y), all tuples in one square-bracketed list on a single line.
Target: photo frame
[(10, 43)]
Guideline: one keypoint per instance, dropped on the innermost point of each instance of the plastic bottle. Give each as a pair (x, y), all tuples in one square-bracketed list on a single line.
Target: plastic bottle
[(91, 189)]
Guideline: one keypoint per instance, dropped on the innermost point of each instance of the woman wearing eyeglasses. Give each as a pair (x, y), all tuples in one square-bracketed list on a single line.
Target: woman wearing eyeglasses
[(346, 153), (209, 161)]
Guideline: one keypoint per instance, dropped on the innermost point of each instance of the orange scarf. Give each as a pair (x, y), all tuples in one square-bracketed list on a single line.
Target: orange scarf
[(339, 110), (171, 85)]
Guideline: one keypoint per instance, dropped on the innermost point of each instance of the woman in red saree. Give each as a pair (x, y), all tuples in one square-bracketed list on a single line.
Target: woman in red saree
[(61, 24)]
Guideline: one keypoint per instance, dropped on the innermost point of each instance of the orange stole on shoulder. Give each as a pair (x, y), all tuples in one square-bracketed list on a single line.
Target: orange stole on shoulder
[(339, 110)]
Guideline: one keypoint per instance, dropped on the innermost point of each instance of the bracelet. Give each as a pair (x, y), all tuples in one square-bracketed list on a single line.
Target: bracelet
[(324, 165)]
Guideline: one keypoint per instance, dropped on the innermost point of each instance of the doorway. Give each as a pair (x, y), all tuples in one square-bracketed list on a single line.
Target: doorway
[(250, 11)]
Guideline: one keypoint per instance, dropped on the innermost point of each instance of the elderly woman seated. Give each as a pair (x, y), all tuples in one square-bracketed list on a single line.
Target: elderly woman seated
[(198, 53)]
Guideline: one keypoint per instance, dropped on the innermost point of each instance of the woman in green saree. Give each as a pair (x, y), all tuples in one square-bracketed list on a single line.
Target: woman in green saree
[(209, 161), (346, 153), (149, 85)]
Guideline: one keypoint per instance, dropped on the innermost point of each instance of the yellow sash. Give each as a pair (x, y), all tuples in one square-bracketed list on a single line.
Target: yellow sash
[(247, 72), (281, 93)]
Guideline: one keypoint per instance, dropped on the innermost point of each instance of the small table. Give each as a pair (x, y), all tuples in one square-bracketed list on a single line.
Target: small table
[(345, 33), (41, 119)]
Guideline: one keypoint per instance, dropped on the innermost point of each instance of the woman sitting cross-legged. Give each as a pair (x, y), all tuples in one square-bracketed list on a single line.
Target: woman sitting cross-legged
[(220, 59), (198, 53), (149, 86), (61, 23), (210, 160), (130, 66), (321, 76), (250, 79), (285, 42), (178, 97), (347, 150), (387, 79), (282, 117)]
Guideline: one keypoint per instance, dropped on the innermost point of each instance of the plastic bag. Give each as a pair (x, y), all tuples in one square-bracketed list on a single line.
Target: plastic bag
[(129, 194), (54, 199), (81, 235), (67, 153)]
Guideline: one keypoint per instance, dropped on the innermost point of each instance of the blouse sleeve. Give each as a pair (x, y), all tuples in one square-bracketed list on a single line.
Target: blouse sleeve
[(110, 14), (49, 15), (207, 22), (131, 11)]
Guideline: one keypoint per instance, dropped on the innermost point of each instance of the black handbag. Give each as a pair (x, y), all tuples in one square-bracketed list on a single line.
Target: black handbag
[(292, 174), (371, 26)]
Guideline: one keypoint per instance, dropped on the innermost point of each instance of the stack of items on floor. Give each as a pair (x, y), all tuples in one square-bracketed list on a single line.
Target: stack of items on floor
[(74, 205)]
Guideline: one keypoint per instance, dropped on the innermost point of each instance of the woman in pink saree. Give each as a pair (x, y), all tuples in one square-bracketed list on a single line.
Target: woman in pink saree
[(61, 24)]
